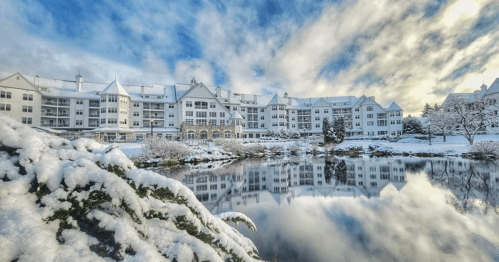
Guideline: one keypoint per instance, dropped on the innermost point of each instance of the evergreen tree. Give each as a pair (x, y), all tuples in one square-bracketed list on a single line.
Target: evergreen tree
[(426, 110), (339, 129), (436, 108), (325, 129), (412, 125)]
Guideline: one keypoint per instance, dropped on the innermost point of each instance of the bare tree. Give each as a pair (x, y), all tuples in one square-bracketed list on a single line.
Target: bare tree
[(469, 117), (442, 122)]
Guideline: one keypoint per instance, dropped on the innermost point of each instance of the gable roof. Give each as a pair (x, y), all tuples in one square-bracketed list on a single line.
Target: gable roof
[(321, 102), (236, 115), (276, 100), (494, 88), (394, 107), (28, 84), (115, 88)]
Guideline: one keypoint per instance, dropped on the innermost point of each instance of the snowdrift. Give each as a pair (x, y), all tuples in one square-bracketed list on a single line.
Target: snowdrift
[(84, 201)]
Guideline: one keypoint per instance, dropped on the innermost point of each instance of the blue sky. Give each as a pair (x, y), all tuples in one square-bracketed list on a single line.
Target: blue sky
[(412, 52)]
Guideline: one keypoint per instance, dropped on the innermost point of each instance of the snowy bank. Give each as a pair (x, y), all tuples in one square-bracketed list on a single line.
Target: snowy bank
[(84, 201)]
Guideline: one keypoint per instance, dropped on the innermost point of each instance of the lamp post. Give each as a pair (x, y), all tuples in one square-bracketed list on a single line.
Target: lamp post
[(429, 133), (152, 124)]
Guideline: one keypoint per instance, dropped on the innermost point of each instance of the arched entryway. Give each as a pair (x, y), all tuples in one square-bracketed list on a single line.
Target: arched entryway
[(203, 134), (191, 135), (216, 134), (227, 134)]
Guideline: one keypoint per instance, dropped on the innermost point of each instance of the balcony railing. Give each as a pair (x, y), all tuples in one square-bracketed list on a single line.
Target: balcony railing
[(63, 125), (49, 114), (63, 103), (93, 105), (63, 114), (146, 107), (94, 115), (49, 102), (44, 124), (157, 107), (93, 125)]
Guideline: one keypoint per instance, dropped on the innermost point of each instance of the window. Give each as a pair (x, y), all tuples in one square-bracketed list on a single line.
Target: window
[(262, 118), (171, 115), (112, 110), (213, 114), (370, 116), (392, 122), (234, 108), (188, 103), (135, 123), (123, 100), (373, 176), (326, 111), (243, 109), (112, 98), (222, 122), (222, 114), (381, 115), (28, 109), (374, 184), (5, 94), (356, 109), (123, 121), (79, 112), (370, 123), (103, 110), (357, 117), (262, 110), (382, 133), (4, 107), (200, 105), (78, 101), (189, 122), (213, 105), (262, 125), (399, 122), (79, 122), (369, 108), (200, 114), (102, 120), (382, 123), (136, 104), (317, 118), (372, 168), (103, 99), (27, 120), (274, 108), (201, 122), (112, 120), (317, 125), (397, 113), (136, 113), (171, 105), (357, 123), (170, 124), (317, 111), (27, 97)]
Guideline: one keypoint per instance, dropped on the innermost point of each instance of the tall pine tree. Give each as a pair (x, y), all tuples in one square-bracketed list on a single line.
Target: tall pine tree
[(427, 109), (325, 129), (339, 129)]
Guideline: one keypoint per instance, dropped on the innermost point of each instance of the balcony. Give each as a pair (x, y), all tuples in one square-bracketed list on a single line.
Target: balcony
[(49, 102), (93, 105), (157, 108), (62, 125), (64, 103), (93, 125), (94, 115), (146, 107), (48, 124), (63, 114), (49, 114)]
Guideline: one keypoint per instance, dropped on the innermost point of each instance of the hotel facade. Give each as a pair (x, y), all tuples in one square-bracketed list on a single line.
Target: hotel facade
[(119, 112)]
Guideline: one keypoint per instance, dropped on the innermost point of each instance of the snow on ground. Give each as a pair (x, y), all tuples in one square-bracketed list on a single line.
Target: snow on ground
[(453, 146)]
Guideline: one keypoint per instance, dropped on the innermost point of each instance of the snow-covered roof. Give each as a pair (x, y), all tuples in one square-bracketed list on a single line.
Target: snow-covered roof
[(493, 89), (394, 107), (276, 100), (236, 115), (115, 88)]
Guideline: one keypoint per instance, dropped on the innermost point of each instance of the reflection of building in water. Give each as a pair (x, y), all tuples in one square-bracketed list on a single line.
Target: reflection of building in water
[(281, 181), (469, 181)]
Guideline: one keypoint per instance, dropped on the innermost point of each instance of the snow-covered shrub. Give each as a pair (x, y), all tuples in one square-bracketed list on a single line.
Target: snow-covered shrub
[(254, 149), (486, 147), (160, 147), (276, 149), (294, 149), (82, 200), (235, 147)]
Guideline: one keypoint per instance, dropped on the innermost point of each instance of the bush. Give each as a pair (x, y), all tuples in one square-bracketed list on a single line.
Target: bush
[(294, 149), (157, 147), (254, 149), (486, 147), (276, 149), (233, 146)]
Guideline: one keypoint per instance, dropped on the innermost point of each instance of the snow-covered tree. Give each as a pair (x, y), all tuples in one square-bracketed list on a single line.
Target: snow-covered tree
[(412, 125), (325, 131), (62, 200), (427, 109), (441, 122), (470, 117), (339, 129), (160, 147)]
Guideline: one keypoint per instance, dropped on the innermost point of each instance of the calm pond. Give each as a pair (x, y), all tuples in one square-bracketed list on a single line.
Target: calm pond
[(358, 209)]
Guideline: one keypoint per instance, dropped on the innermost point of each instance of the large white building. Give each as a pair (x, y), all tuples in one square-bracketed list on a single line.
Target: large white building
[(488, 95), (119, 112)]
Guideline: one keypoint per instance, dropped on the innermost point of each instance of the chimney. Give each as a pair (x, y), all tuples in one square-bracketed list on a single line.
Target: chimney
[(219, 92), (79, 80), (37, 81), (290, 100), (286, 95), (483, 88), (164, 92), (142, 90)]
